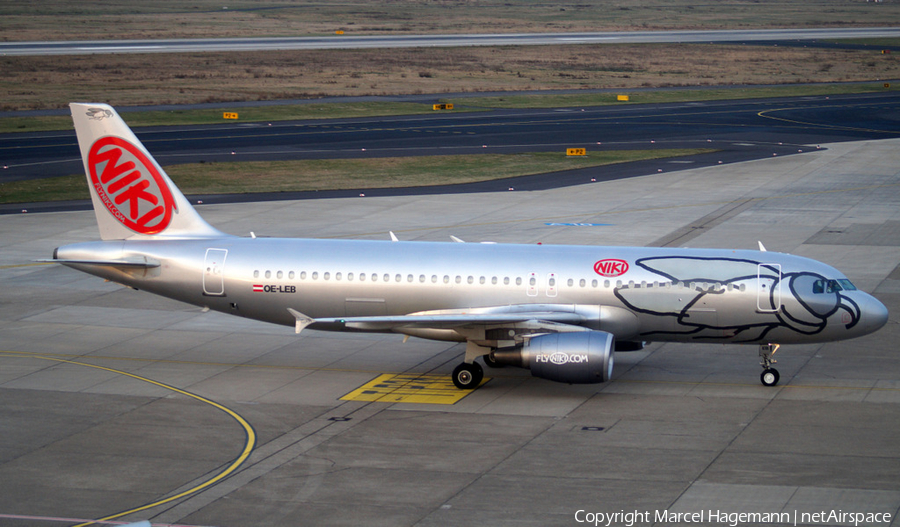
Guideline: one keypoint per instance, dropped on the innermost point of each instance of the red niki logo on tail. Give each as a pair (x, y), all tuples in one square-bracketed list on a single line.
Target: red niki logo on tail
[(130, 186)]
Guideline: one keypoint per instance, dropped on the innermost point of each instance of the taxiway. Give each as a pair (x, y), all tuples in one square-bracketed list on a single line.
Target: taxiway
[(124, 406)]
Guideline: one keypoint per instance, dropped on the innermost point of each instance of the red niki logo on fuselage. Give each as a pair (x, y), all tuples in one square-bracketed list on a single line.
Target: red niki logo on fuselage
[(130, 186), (611, 267)]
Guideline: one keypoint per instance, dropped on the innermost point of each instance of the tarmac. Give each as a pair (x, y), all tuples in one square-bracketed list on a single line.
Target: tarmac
[(122, 406)]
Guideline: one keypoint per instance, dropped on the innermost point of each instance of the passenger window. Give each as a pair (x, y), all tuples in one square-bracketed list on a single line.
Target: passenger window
[(470, 279), (303, 275), (446, 279), (458, 279), (315, 275), (593, 283), (337, 276), (268, 274), (397, 278), (279, 275), (581, 282), (291, 275), (570, 283), (494, 280), (256, 274), (518, 280), (481, 280), (326, 276), (409, 278), (505, 280)]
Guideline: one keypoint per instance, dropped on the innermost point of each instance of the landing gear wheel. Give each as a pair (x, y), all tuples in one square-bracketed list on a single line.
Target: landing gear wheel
[(769, 377), (468, 376)]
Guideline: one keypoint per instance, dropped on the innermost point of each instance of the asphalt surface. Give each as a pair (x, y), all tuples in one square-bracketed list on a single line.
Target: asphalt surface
[(121, 405), (406, 41), (739, 130)]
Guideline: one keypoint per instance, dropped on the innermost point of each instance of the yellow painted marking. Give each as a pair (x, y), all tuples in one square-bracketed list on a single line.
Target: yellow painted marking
[(765, 114), (249, 444), (421, 388)]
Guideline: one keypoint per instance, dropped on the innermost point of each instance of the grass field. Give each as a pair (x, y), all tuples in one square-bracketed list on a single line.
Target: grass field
[(123, 19), (149, 79), (146, 79), (287, 176)]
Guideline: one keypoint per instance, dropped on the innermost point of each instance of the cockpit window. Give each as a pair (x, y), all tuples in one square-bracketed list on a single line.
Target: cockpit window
[(832, 286), (847, 285)]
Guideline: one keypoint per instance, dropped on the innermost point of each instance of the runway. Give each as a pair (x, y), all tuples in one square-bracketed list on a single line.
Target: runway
[(123, 406), (738, 130), (408, 41)]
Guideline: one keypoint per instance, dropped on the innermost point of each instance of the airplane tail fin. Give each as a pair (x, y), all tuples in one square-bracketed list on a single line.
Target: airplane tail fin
[(132, 195)]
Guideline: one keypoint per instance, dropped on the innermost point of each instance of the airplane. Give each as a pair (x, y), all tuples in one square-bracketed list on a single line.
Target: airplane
[(560, 311)]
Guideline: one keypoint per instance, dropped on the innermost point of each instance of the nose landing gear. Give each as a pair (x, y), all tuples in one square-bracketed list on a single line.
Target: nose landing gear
[(769, 376)]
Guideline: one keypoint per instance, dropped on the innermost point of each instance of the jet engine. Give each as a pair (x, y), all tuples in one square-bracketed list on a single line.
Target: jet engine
[(585, 357)]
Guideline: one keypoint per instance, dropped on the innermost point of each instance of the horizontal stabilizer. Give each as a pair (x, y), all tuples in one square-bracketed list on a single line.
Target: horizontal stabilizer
[(144, 263)]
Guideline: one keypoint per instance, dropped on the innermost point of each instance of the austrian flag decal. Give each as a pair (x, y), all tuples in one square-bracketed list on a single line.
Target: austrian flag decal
[(130, 186)]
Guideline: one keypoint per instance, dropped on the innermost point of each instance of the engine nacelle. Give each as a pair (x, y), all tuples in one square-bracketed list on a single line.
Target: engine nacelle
[(583, 357)]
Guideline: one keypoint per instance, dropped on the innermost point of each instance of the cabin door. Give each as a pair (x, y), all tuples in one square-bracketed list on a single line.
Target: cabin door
[(768, 287), (214, 272)]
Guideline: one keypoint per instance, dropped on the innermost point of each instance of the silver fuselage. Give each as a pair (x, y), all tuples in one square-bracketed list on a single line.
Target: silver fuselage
[(678, 295)]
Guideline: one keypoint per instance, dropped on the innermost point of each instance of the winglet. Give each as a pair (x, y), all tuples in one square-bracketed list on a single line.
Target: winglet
[(457, 240), (394, 237), (302, 320), (761, 246)]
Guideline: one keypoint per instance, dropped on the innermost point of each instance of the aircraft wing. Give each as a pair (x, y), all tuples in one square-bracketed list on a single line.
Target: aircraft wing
[(559, 321)]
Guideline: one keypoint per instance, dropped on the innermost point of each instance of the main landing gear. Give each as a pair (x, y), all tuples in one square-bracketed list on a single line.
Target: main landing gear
[(468, 376), (769, 376)]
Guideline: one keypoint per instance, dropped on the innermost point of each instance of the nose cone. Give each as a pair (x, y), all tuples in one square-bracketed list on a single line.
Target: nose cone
[(874, 314)]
